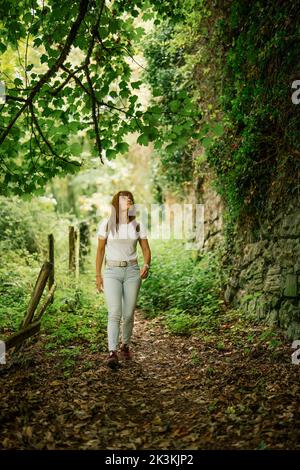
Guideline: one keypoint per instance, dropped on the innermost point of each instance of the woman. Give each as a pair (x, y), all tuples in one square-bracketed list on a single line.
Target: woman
[(122, 276)]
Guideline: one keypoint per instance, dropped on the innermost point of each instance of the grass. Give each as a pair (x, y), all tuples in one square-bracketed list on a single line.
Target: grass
[(184, 292), (77, 314)]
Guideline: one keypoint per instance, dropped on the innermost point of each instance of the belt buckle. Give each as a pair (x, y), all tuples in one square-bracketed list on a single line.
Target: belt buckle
[(122, 263)]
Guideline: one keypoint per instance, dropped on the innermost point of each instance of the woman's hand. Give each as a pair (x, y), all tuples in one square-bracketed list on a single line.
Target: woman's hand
[(144, 272), (99, 283)]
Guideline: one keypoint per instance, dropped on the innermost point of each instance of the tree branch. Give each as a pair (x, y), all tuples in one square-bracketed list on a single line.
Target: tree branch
[(71, 75), (15, 98), (95, 115), (70, 39), (34, 118), (100, 103)]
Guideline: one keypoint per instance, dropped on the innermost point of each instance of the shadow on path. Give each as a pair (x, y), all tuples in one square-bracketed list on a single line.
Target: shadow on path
[(178, 392)]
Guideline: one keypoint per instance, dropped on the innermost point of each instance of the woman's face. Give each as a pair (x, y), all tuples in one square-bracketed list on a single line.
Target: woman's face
[(125, 202)]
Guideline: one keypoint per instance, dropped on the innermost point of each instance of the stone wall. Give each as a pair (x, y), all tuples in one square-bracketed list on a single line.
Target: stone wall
[(264, 270), (201, 191), (213, 220), (265, 274)]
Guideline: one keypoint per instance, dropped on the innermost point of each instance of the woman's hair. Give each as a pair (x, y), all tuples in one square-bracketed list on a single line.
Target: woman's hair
[(113, 221)]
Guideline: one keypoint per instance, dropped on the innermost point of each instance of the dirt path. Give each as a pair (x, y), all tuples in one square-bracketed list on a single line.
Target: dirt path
[(177, 393)]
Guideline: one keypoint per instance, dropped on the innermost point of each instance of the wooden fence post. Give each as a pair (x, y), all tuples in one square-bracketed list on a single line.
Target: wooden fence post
[(18, 338), (51, 260), (77, 255), (85, 245), (37, 292), (28, 327), (71, 249)]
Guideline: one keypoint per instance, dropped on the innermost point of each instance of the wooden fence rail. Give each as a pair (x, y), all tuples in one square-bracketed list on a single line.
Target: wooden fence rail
[(31, 323)]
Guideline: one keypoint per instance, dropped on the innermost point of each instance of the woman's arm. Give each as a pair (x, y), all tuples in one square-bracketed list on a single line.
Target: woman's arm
[(99, 261), (147, 256)]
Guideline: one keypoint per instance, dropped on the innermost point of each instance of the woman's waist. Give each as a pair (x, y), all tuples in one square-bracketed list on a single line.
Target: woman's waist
[(121, 262)]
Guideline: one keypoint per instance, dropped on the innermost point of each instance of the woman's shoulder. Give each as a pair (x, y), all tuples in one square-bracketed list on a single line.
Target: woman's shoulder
[(141, 228), (102, 226)]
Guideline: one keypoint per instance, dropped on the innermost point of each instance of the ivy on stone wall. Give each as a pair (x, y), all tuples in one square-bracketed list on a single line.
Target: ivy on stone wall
[(237, 62), (171, 90), (257, 158)]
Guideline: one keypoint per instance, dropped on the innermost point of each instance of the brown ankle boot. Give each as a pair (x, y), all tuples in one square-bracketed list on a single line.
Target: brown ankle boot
[(112, 359), (125, 352)]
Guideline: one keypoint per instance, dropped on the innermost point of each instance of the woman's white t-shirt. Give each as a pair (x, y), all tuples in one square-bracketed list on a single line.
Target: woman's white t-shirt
[(121, 246)]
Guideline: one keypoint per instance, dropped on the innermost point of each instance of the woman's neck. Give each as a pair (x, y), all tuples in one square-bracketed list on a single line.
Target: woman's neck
[(124, 219)]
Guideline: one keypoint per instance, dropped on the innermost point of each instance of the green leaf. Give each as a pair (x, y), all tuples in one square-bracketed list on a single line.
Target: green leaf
[(136, 84), (44, 58), (27, 18), (2, 47), (73, 126), (139, 32), (103, 32), (106, 143), (113, 25), (171, 148), (152, 119), (218, 129), (206, 142), (177, 128), (122, 147), (156, 92), (182, 94), (147, 16), (143, 139), (111, 153), (37, 42), (124, 93), (76, 149), (18, 82), (175, 105)]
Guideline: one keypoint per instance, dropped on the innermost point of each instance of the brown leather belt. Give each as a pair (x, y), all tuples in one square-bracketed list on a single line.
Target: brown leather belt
[(120, 263)]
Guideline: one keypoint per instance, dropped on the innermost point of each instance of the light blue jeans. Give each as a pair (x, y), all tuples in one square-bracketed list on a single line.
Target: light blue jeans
[(121, 285)]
